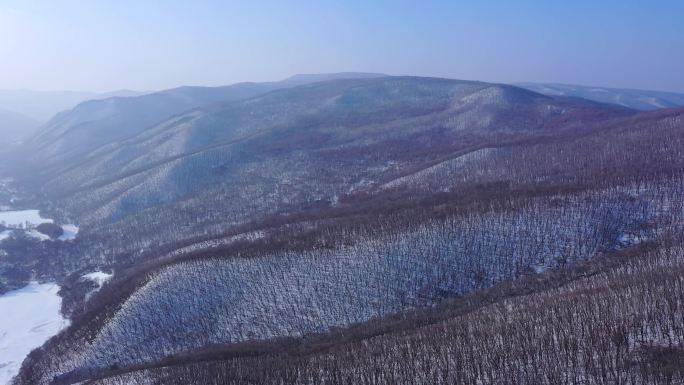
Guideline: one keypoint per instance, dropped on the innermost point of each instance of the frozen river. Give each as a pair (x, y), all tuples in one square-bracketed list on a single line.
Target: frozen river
[(29, 317)]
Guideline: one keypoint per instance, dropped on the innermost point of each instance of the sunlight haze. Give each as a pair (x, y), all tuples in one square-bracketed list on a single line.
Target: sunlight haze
[(151, 45)]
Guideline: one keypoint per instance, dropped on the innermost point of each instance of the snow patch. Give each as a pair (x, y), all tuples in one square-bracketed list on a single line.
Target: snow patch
[(5, 234), (30, 316), (99, 277), (650, 100), (70, 232), (628, 240), (28, 220), (540, 268), (35, 234), (22, 217)]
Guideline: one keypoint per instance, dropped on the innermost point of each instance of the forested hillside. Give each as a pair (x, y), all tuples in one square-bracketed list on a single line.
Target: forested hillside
[(290, 149), (375, 231)]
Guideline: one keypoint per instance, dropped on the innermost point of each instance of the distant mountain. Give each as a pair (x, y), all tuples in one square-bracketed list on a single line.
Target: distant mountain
[(95, 123), (313, 78), (14, 127), (43, 105), (636, 99), (119, 94), (110, 164)]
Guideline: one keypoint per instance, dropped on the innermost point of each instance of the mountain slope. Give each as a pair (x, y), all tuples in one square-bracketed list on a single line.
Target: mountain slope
[(73, 134), (273, 152), (540, 331), (636, 99), (584, 223), (89, 125), (309, 222)]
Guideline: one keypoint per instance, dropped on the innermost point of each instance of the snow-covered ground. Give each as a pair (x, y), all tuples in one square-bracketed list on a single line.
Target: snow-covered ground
[(29, 317), (20, 218), (5, 234), (70, 232), (27, 219), (35, 234), (99, 277)]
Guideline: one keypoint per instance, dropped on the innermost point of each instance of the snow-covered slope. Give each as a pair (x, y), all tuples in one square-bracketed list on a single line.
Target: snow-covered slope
[(373, 196), (636, 99), (294, 146)]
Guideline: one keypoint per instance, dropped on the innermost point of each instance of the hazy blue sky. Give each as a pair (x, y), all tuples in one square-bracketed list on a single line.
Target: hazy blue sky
[(103, 45)]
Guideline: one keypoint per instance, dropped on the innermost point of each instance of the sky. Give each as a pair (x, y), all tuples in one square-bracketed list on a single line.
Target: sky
[(105, 45)]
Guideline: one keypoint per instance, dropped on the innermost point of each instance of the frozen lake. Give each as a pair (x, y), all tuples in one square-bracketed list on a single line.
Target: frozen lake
[(30, 316)]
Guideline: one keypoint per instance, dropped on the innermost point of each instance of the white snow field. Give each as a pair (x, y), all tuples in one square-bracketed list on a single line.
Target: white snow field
[(30, 218), (29, 317), (21, 217)]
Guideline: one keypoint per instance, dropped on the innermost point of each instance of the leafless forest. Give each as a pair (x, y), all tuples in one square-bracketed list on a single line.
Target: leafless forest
[(383, 231)]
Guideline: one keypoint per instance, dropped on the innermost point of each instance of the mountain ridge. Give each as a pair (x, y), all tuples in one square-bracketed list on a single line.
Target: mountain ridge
[(332, 117), (115, 112), (43, 105), (631, 98)]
